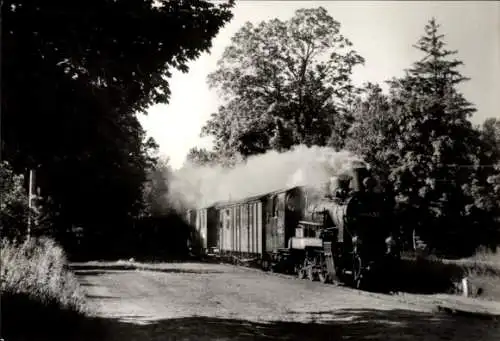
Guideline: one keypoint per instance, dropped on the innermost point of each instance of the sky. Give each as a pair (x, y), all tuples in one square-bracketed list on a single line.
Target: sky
[(383, 32)]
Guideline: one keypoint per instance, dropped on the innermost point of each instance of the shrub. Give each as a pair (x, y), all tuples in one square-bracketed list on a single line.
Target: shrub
[(486, 255), (427, 273), (39, 294), (13, 204)]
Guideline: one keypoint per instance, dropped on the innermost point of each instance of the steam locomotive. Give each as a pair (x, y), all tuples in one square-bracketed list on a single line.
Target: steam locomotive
[(345, 235)]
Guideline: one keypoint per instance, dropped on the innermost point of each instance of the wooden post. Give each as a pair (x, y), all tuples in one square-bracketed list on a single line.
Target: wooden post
[(30, 198), (1, 51), (465, 287)]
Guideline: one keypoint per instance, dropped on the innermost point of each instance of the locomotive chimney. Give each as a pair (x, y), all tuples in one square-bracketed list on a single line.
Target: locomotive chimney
[(332, 186), (360, 172)]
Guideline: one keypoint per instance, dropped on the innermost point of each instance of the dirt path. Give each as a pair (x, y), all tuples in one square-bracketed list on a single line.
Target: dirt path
[(222, 302)]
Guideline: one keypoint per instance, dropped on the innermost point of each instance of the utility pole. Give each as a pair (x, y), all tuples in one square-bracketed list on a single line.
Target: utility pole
[(1, 51), (30, 199)]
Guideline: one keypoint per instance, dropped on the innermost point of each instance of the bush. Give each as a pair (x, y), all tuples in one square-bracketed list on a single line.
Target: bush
[(39, 294), (427, 273), (486, 255), (14, 209)]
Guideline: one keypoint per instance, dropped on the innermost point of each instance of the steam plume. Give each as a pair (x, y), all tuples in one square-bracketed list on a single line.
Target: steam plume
[(196, 186)]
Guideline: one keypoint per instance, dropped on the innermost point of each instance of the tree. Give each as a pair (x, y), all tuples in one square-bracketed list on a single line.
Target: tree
[(156, 190), (485, 188), (436, 144), (283, 83), (372, 134), (490, 134), (201, 157), (73, 82)]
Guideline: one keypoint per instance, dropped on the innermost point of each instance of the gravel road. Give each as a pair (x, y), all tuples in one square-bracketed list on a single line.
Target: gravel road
[(189, 301)]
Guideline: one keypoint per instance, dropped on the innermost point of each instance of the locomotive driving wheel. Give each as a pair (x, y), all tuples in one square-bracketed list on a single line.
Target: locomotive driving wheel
[(357, 272), (324, 276), (301, 273), (265, 265), (310, 272), (306, 270), (300, 270)]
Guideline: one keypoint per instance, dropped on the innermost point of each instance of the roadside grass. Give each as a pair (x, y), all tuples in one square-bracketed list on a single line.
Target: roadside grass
[(429, 274), (486, 256), (483, 271), (40, 297)]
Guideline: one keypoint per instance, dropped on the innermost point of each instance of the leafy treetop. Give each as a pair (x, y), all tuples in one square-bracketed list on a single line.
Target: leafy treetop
[(283, 83)]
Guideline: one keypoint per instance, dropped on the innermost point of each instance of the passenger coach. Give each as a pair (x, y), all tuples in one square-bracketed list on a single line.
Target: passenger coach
[(204, 234), (257, 227)]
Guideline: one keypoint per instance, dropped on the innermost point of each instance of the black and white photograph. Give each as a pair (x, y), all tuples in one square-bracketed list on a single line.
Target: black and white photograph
[(222, 170)]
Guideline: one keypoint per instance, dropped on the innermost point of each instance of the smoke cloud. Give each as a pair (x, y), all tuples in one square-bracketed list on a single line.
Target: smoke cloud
[(194, 186)]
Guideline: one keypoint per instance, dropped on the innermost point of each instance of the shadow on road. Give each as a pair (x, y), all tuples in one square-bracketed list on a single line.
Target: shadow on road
[(101, 269), (103, 297), (339, 325), (92, 272)]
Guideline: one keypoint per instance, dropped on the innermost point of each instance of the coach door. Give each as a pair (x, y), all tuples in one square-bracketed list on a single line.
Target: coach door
[(280, 221), (220, 226), (226, 229), (275, 231)]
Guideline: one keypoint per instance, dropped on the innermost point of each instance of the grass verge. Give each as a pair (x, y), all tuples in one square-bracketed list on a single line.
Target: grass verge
[(40, 297), (430, 274)]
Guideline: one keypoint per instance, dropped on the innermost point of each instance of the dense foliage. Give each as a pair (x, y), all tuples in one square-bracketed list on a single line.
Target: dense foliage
[(490, 135), (14, 209), (283, 83), (74, 76), (201, 156), (421, 130), (156, 190)]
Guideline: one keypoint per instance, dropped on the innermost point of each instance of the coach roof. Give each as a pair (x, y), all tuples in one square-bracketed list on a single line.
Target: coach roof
[(221, 204)]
